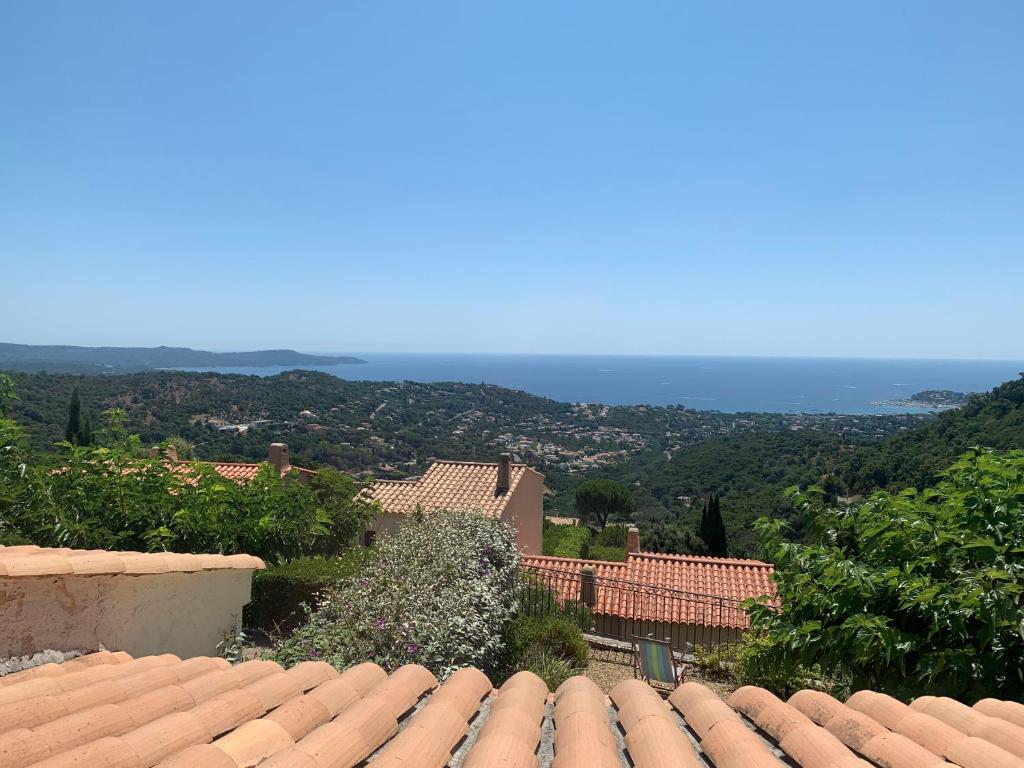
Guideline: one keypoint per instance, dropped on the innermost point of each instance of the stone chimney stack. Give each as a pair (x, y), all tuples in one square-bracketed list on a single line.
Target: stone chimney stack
[(633, 540), (170, 453), (279, 457), (504, 474), (154, 452)]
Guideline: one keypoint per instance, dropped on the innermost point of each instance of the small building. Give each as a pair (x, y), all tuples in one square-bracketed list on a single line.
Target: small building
[(513, 492), (691, 600), (138, 602), (573, 522)]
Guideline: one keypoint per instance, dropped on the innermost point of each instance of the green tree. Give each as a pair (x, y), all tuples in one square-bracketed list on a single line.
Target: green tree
[(85, 435), (73, 429), (599, 501), (7, 393), (339, 499), (712, 527), (910, 593)]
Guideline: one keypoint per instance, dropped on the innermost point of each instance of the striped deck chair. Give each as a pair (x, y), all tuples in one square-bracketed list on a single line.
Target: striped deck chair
[(654, 662)]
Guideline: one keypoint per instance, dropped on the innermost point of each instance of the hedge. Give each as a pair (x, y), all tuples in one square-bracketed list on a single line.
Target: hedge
[(279, 592)]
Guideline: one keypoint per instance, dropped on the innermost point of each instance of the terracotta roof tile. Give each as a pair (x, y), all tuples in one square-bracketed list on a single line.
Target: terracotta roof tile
[(161, 711), (455, 485), (239, 471), (675, 589), (23, 562)]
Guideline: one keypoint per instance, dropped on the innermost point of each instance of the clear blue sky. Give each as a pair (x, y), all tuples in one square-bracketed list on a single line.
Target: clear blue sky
[(737, 178)]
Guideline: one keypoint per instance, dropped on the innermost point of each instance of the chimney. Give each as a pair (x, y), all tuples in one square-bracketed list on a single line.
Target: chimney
[(154, 452), (504, 474), (279, 457), (633, 540), (170, 453)]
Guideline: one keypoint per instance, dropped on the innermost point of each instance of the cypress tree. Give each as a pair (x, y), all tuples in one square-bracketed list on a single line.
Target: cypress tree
[(85, 436), (73, 430), (718, 546), (702, 530)]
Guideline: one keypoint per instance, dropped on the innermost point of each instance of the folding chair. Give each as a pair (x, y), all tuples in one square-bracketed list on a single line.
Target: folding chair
[(654, 662)]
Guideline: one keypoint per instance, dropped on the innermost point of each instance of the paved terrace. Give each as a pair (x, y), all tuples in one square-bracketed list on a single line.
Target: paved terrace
[(112, 711)]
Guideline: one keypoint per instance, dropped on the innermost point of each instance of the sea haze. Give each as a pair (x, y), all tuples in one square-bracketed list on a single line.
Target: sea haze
[(778, 384)]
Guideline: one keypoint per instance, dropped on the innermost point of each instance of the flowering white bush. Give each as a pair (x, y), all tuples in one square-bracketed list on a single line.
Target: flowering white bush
[(439, 592)]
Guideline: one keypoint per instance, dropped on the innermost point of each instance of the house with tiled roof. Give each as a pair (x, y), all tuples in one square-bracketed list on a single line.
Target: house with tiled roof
[(110, 710), (138, 602), (240, 472), (691, 600), (503, 489)]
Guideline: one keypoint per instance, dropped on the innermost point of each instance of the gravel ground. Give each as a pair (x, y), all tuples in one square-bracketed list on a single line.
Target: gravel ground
[(17, 663), (608, 668)]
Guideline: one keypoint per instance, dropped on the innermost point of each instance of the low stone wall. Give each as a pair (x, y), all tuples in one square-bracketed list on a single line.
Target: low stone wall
[(186, 614)]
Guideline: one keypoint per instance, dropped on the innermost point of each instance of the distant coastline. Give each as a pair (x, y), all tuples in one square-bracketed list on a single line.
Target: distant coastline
[(932, 399), (32, 358), (727, 384)]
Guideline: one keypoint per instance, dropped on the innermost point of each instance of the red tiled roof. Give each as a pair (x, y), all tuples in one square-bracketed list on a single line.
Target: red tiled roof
[(30, 560), (449, 485), (111, 711), (674, 589), (238, 471)]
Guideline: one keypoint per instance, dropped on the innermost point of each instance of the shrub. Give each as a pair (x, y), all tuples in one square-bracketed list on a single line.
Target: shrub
[(549, 645), (741, 663), (564, 540), (612, 536), (908, 593), (439, 592), (553, 670), (280, 591)]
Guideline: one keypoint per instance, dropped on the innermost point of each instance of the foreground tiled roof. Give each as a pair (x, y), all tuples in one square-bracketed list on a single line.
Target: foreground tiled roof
[(456, 485), (30, 560), (110, 711), (664, 588)]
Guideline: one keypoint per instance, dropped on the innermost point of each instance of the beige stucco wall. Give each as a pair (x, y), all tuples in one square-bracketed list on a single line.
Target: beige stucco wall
[(525, 513), (182, 613)]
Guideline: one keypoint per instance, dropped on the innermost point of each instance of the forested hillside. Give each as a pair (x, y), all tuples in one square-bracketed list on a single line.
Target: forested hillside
[(992, 420), (668, 456)]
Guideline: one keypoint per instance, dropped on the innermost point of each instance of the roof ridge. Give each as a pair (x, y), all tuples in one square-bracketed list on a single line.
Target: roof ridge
[(703, 559), (475, 463)]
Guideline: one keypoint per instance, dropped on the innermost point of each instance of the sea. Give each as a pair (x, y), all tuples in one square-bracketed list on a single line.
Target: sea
[(730, 384)]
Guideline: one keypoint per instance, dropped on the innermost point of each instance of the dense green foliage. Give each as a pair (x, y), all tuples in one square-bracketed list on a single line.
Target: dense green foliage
[(550, 645), (79, 427), (281, 590), (439, 592), (564, 540), (916, 592), (670, 537), (107, 497), (580, 541), (917, 457), (601, 500)]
